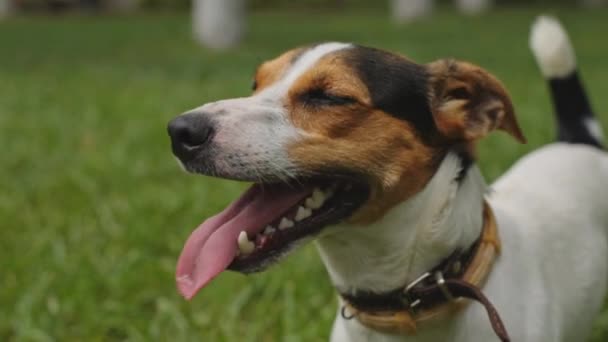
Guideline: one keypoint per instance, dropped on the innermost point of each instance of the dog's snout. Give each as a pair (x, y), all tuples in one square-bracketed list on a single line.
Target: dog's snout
[(189, 133)]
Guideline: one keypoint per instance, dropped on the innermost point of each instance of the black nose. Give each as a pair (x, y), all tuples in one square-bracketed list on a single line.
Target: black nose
[(189, 134)]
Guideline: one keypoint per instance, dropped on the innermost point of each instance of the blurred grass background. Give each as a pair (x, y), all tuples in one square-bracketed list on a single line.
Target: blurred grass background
[(94, 210)]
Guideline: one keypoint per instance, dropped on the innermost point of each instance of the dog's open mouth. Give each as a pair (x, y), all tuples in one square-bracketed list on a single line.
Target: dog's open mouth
[(260, 226)]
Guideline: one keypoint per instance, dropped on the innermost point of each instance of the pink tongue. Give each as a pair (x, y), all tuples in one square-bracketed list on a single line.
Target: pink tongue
[(213, 245)]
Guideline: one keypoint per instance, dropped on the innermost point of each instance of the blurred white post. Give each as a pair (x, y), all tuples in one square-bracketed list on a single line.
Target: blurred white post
[(408, 10), (218, 24), (593, 3), (6, 8), (473, 6)]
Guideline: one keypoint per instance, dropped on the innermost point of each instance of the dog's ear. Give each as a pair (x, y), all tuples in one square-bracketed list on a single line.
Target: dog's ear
[(467, 102)]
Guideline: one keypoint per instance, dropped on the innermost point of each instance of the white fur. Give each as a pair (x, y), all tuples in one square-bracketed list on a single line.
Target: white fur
[(593, 126), (421, 232), (552, 48), (550, 279), (251, 134)]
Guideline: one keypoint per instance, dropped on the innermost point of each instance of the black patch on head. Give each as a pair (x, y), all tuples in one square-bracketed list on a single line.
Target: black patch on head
[(396, 86)]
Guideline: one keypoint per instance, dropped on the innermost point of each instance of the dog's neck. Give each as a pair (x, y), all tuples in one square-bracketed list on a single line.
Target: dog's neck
[(412, 238)]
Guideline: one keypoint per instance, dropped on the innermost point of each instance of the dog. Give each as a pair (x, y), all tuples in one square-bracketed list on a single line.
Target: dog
[(372, 156)]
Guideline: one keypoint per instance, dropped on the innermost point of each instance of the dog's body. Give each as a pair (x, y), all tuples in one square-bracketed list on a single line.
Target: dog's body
[(550, 281), (406, 132)]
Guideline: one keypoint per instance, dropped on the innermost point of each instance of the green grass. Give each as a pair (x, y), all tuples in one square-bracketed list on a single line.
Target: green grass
[(94, 210)]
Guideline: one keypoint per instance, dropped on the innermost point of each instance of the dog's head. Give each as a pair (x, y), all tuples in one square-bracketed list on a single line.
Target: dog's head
[(332, 132)]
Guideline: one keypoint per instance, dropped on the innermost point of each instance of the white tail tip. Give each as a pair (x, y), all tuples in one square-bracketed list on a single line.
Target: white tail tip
[(552, 48)]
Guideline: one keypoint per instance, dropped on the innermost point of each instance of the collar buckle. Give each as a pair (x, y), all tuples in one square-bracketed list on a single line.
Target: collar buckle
[(412, 302), (407, 298), (401, 310)]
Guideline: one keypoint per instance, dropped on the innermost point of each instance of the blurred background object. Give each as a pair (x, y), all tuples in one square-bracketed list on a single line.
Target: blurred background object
[(474, 6), (594, 3), (6, 8), (222, 24), (406, 10), (219, 24)]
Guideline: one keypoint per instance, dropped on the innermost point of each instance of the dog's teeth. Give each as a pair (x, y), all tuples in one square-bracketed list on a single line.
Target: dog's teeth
[(316, 200), (302, 213), (269, 230), (245, 246), (318, 195), (285, 223)]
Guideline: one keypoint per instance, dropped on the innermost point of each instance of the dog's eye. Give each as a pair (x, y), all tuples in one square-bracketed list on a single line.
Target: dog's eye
[(320, 97), (460, 93)]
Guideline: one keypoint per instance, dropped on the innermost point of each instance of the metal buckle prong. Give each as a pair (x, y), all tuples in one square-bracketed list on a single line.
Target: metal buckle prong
[(444, 289), (416, 282), (408, 301)]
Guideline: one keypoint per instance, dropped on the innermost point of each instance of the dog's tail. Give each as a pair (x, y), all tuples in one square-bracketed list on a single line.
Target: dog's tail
[(555, 56)]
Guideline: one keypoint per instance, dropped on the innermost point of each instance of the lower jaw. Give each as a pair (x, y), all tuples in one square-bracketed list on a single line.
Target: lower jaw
[(337, 209)]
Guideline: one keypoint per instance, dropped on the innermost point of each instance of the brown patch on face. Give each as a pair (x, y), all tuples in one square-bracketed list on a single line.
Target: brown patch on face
[(355, 139), (271, 71), (382, 151), (330, 77), (389, 122)]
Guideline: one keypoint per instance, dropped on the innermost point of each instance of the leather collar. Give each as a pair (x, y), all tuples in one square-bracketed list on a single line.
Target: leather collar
[(435, 294)]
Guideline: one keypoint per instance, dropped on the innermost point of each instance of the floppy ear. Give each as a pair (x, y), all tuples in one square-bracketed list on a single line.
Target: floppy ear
[(467, 102)]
